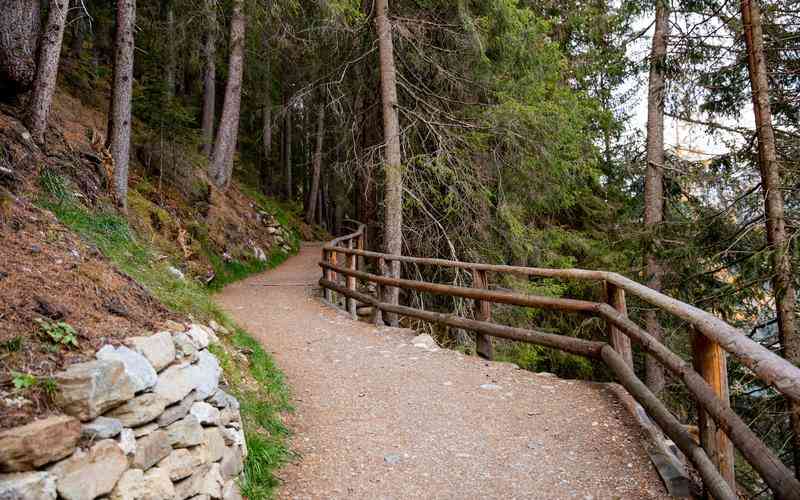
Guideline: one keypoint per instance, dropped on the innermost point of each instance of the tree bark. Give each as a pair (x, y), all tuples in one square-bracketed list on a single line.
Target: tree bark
[(654, 181), (209, 78), (225, 146), (172, 61), (777, 236), (19, 32), (317, 166), (393, 169), (266, 142), (287, 149), (49, 54), (120, 140)]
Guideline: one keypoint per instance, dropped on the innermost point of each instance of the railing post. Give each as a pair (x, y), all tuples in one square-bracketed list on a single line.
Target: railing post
[(483, 312), (334, 277), (326, 273), (377, 314), (615, 297), (362, 244), (351, 281), (710, 361)]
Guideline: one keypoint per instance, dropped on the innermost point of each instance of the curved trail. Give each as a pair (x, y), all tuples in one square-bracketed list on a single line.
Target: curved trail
[(377, 417)]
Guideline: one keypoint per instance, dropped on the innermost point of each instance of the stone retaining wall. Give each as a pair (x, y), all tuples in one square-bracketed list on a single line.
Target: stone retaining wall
[(146, 421)]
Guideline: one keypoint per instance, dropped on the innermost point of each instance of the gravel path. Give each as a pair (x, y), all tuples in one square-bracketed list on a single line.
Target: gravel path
[(378, 417)]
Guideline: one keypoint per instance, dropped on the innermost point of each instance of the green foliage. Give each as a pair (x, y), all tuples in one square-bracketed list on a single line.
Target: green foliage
[(13, 344), (22, 381), (55, 185), (59, 332)]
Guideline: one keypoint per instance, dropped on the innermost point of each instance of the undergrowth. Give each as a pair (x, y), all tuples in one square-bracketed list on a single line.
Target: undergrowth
[(257, 383)]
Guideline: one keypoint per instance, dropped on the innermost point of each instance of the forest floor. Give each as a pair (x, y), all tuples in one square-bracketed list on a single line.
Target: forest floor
[(380, 416)]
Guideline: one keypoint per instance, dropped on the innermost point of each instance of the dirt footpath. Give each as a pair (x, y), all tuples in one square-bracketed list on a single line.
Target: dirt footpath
[(378, 417)]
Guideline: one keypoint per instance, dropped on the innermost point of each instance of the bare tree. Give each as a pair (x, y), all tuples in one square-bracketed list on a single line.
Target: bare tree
[(777, 236), (393, 168), (19, 31), (225, 145), (120, 110), (46, 74), (209, 77), (317, 166), (654, 179)]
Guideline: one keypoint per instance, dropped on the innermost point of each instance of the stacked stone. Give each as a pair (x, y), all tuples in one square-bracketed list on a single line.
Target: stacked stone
[(143, 422), (279, 234)]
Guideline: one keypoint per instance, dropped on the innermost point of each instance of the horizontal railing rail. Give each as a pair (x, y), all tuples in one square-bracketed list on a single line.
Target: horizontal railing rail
[(717, 474)]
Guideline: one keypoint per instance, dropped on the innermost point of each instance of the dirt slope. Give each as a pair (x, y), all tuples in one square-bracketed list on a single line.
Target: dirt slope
[(378, 417)]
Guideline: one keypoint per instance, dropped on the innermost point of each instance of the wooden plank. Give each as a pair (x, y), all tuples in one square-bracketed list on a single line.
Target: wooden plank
[(483, 312), (351, 283), (710, 361), (615, 297), (326, 273), (377, 317)]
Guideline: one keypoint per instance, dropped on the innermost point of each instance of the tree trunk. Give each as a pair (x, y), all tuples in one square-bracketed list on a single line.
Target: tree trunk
[(49, 54), (121, 99), (654, 181), (777, 237), (287, 149), (225, 146), (78, 30), (393, 173), (266, 142), (317, 168), (19, 32), (209, 77), (172, 61)]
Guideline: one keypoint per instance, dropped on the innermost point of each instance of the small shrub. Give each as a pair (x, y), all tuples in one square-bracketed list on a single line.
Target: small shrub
[(60, 332), (12, 345), (22, 381)]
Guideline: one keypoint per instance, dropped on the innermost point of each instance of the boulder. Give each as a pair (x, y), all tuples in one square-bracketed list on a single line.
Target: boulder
[(218, 328), (230, 491), (175, 382), (27, 486), (232, 462), (127, 442), (177, 411), (179, 464), (146, 429), (88, 475), (205, 413), (137, 367), (101, 428), (206, 374), (184, 345), (211, 449), (184, 432), (151, 449), (87, 390), (174, 326), (221, 399), (139, 410), (159, 349), (207, 480), (138, 485), (43, 441), (199, 335)]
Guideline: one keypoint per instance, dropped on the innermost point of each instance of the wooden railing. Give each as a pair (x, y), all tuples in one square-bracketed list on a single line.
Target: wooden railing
[(706, 380)]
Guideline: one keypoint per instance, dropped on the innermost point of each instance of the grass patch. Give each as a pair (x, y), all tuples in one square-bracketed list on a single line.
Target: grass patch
[(257, 383)]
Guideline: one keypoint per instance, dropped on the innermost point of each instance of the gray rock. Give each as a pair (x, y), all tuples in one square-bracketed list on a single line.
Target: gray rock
[(221, 399), (27, 486), (146, 429), (232, 462), (184, 432), (212, 448), (425, 341), (139, 410), (175, 382), (230, 491), (88, 475), (177, 411), (229, 416), (218, 328), (127, 442), (205, 413), (392, 458), (234, 437), (151, 449), (159, 349), (199, 335), (101, 428), (43, 441), (184, 345), (206, 374), (137, 485), (87, 390), (137, 367), (205, 481), (179, 464)]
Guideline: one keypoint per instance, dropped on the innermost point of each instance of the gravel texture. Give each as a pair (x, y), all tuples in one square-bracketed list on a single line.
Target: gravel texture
[(377, 417)]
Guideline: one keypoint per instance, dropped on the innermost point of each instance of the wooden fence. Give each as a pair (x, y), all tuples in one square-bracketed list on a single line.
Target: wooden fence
[(706, 379)]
